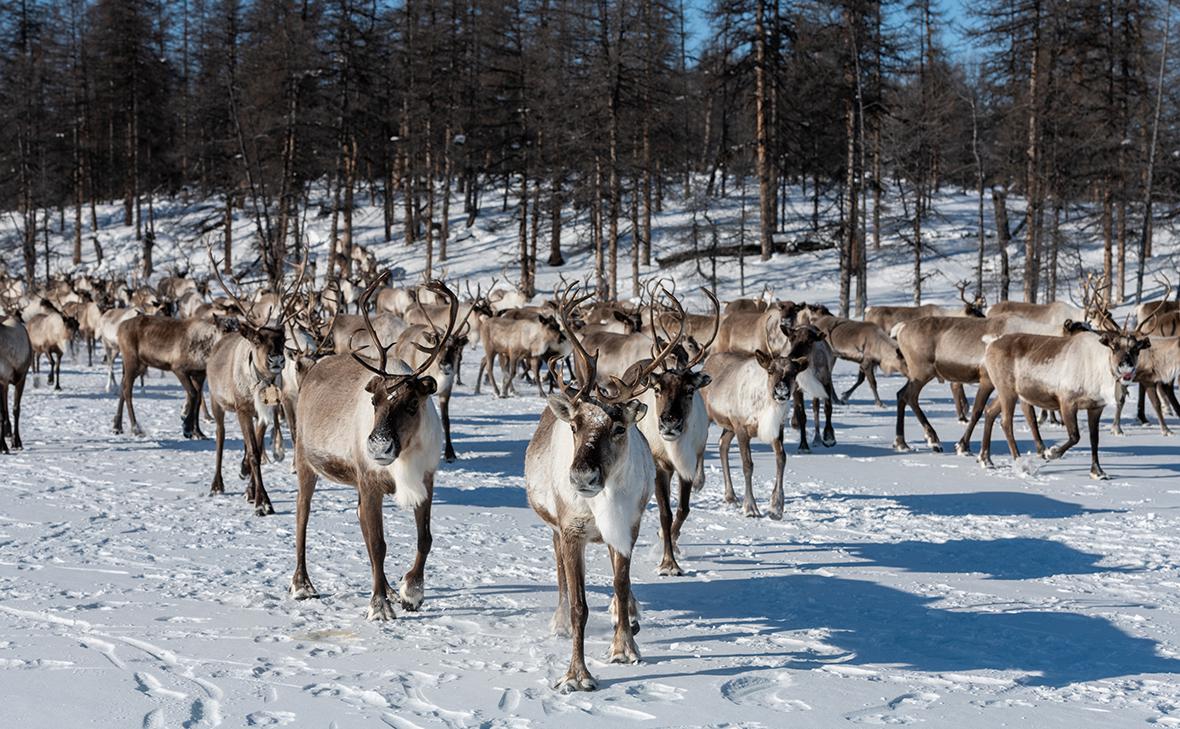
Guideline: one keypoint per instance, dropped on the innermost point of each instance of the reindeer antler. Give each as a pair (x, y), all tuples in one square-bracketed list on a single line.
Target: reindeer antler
[(246, 311), (636, 384), (586, 366), (716, 327), (1167, 284)]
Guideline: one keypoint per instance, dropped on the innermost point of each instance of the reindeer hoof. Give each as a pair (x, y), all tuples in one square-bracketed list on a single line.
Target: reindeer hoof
[(829, 440), (411, 595), (901, 446), (576, 681), (1098, 474), (750, 509), (137, 431), (986, 461), (1166, 431), (380, 608), (264, 510), (302, 590), (1115, 430), (628, 652), (935, 447), (560, 624), (804, 448), (775, 512), (669, 568), (962, 449), (730, 498), (216, 489), (1053, 453)]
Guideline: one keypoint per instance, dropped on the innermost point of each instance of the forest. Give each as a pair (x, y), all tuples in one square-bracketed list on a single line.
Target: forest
[(437, 109)]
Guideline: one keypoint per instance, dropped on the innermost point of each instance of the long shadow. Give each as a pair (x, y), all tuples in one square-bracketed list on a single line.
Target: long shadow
[(979, 503), (882, 625), (495, 457), (1017, 558), (482, 496)]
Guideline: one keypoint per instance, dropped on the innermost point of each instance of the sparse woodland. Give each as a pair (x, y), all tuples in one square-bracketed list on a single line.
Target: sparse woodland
[(603, 108)]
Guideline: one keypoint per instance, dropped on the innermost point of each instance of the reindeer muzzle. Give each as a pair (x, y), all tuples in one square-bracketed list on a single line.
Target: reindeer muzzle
[(671, 428), (275, 363), (383, 450), (586, 483)]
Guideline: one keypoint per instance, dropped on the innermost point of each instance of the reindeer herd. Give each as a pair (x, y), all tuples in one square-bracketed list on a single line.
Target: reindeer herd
[(361, 374)]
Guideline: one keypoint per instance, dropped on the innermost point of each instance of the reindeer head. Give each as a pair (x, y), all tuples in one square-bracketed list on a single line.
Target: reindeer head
[(398, 397), (267, 350), (780, 374), (971, 307), (1124, 343), (675, 387), (600, 418)]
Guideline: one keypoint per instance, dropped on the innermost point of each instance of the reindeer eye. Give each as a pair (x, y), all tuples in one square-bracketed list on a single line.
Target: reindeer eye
[(618, 431)]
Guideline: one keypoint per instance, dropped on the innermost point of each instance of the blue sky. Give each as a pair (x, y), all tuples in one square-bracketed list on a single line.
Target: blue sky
[(954, 15)]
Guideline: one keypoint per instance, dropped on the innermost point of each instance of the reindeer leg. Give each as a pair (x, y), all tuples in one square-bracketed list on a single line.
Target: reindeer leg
[(985, 443), (18, 392), (1154, 396), (373, 528), (723, 447), (3, 416), (683, 506), (931, 436), (412, 590), (444, 405), (903, 396), (959, 394), (218, 487), (301, 587), (257, 492), (537, 376), (816, 440), (1007, 416), (479, 377), (198, 379), (623, 648), (986, 388), (749, 506), (190, 406), (1030, 414), (1116, 427), (829, 436), (1141, 412), (56, 365), (1069, 414), (1169, 392), (1096, 472), (871, 376), (860, 377), (560, 624), (668, 564), (578, 677), (799, 420), (780, 461)]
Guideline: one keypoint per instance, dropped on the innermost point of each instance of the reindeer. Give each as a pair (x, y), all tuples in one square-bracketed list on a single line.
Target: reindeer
[(591, 482), (1158, 367), (677, 431), (350, 332), (50, 334), (513, 340), (244, 371), (1087, 371), (108, 332), (746, 332), (863, 343), (749, 397), (374, 426), (397, 300), (16, 356), (89, 322), (418, 342), (814, 380), (179, 346)]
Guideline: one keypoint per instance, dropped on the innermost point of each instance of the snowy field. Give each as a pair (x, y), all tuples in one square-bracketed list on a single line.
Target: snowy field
[(898, 588)]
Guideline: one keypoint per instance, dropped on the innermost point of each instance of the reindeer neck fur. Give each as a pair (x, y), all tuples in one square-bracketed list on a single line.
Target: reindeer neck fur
[(611, 515), (739, 389), (684, 453)]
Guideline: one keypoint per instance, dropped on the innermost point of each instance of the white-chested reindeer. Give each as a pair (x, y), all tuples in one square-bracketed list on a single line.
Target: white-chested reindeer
[(589, 475), (677, 429), (371, 423)]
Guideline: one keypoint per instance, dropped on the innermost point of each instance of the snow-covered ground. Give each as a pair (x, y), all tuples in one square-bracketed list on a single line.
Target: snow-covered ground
[(898, 588)]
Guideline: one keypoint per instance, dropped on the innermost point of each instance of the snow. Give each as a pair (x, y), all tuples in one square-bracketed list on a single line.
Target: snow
[(898, 588)]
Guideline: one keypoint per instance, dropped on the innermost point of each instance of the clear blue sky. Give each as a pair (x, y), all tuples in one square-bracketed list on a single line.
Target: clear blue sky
[(954, 16)]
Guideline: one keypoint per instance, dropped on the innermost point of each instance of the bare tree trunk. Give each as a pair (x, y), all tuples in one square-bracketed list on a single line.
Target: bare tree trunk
[(228, 250), (1003, 237), (555, 257), (762, 140), (1107, 242), (1032, 158), (1145, 234)]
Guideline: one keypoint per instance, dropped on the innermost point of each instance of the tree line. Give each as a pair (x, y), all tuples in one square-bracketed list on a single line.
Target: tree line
[(598, 109)]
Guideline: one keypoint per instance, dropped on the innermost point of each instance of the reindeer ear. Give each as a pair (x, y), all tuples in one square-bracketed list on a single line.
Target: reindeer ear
[(764, 359), (377, 384), (634, 411), (802, 361), (1144, 343), (426, 385), (700, 379), (561, 406)]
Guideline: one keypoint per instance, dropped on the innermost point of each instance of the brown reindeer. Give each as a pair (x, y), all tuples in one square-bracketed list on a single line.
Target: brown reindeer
[(50, 334), (511, 341), (1086, 371), (16, 356), (371, 424)]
